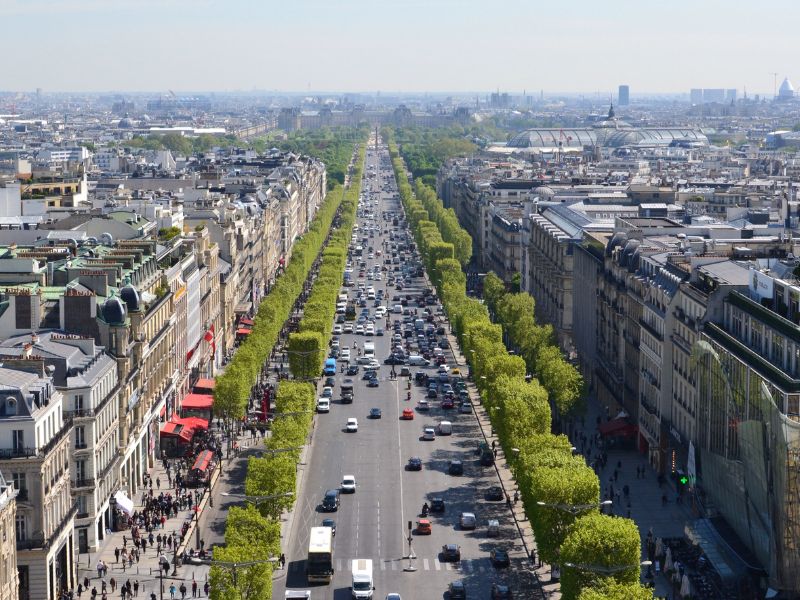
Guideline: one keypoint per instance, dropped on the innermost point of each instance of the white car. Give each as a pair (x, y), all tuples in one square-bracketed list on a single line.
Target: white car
[(348, 328), (467, 520), (373, 364), (327, 392), (338, 330), (380, 311), (352, 425), (344, 355), (429, 434), (364, 360), (348, 484), (370, 330), (324, 405), (360, 329)]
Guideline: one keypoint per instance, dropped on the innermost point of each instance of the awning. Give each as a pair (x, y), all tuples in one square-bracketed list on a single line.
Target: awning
[(205, 384), (243, 331), (198, 401), (246, 321), (203, 459), (124, 503), (184, 428), (243, 307), (617, 428)]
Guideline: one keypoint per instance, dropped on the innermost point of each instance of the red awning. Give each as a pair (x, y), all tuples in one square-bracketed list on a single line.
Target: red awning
[(243, 331), (203, 460), (205, 384), (617, 428), (184, 428), (246, 321), (198, 401)]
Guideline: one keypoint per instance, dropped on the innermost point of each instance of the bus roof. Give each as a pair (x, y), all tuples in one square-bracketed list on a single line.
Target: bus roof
[(321, 539)]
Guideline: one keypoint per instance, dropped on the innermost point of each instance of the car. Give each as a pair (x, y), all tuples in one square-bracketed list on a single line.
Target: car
[(432, 393), (363, 360), (423, 405), (495, 493), (408, 414), (330, 381), (338, 329), (329, 523), (370, 329), (359, 329), (451, 553), (327, 392), (352, 425), (467, 520), (393, 360), (348, 328), (424, 527), (448, 403), (465, 408), (379, 331), (456, 467), (414, 464), (374, 413), (429, 434), (330, 501), (393, 596), (457, 590), (373, 382), (437, 504), (501, 591), (324, 405), (499, 558), (349, 484), (352, 370)]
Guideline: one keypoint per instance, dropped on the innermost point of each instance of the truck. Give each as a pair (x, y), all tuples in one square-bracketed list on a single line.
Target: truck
[(363, 584), (369, 348)]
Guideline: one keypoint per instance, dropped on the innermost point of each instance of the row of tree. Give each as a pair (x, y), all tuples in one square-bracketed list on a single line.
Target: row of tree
[(597, 553), (243, 568)]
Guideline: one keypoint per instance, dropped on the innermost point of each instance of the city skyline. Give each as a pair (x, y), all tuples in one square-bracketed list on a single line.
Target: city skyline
[(415, 47)]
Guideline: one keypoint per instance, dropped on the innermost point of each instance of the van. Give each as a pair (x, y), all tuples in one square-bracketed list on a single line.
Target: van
[(330, 366), (415, 360), (369, 348), (445, 428), (343, 298), (363, 584)]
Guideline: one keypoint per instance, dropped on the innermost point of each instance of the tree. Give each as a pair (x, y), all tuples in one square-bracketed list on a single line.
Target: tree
[(305, 354), (273, 475), (251, 583), (493, 291), (562, 380), (609, 589), (596, 542), (246, 527)]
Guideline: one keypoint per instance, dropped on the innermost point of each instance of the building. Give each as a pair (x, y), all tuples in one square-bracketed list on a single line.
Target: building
[(786, 91), (87, 378), (9, 576), (35, 447), (624, 95)]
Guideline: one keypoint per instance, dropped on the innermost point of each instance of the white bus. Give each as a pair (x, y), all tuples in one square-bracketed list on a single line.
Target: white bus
[(319, 566)]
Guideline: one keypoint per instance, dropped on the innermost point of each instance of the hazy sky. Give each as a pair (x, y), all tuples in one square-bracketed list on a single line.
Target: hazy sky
[(399, 45)]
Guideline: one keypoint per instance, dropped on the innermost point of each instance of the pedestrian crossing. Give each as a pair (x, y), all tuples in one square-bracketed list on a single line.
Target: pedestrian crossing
[(466, 566)]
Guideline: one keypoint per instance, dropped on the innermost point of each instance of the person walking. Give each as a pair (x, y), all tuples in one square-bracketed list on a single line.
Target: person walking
[(113, 583), (194, 589), (136, 588), (116, 554), (206, 588), (183, 591), (172, 590)]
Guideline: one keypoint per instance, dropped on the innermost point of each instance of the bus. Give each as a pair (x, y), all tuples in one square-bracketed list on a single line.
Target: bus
[(319, 566)]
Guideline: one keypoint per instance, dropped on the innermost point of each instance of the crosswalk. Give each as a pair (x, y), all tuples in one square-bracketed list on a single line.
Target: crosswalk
[(475, 565)]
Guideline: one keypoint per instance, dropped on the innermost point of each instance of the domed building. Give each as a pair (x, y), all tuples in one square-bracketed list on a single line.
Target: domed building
[(786, 91), (610, 132)]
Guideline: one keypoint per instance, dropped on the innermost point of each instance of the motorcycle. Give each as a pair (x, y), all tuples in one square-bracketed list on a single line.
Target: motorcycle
[(425, 510)]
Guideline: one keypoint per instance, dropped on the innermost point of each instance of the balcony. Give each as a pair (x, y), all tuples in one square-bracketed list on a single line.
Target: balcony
[(9, 453), (36, 544), (82, 483), (65, 430)]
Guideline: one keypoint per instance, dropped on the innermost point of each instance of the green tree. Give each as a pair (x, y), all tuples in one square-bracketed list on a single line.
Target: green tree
[(562, 380), (596, 543), (273, 475), (493, 290), (251, 583), (612, 590), (305, 353)]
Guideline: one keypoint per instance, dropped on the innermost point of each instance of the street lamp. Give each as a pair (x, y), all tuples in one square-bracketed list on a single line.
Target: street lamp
[(603, 570), (575, 509)]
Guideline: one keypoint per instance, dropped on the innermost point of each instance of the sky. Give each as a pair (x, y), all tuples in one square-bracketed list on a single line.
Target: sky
[(573, 46)]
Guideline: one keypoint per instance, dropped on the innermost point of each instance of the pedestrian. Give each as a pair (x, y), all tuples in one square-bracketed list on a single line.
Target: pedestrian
[(94, 592), (116, 554), (172, 591), (194, 589), (124, 541), (113, 583), (516, 496), (80, 589), (183, 591), (282, 558), (206, 588), (86, 583)]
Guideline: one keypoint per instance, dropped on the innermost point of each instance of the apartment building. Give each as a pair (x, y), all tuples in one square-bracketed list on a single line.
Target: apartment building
[(35, 441), (9, 576), (87, 379)]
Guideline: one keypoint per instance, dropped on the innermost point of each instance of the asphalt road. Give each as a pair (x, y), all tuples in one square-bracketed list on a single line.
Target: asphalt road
[(372, 522)]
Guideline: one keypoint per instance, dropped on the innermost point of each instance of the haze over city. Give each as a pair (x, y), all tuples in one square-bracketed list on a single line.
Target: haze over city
[(410, 45)]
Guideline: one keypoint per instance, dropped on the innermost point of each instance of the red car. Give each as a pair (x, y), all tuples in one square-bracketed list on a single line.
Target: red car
[(448, 403), (408, 414)]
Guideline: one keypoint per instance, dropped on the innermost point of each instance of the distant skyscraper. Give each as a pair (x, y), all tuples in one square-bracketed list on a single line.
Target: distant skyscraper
[(730, 95), (624, 97), (713, 95), (696, 96)]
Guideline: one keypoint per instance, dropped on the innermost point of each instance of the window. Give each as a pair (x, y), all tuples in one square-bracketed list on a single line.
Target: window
[(20, 483), (80, 470), (18, 440), (21, 528), (80, 437), (79, 402)]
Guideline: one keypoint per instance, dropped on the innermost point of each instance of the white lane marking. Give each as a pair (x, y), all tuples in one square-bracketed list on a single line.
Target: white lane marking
[(437, 564), (425, 564), (338, 564), (383, 565)]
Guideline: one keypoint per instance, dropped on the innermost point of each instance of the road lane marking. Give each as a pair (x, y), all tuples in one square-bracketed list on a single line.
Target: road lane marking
[(437, 564), (425, 564), (383, 565)]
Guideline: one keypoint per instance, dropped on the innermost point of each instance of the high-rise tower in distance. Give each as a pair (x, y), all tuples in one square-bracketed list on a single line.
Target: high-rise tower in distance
[(624, 95)]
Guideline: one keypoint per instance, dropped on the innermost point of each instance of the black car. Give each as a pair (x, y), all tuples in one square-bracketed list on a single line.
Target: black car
[(329, 523), (451, 553), (393, 360), (437, 505), (375, 413), (500, 591), (432, 393), (456, 467), (352, 370), (457, 590), (368, 375), (495, 494), (330, 502), (414, 464), (373, 383), (500, 558)]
